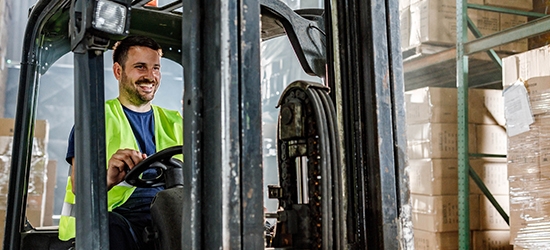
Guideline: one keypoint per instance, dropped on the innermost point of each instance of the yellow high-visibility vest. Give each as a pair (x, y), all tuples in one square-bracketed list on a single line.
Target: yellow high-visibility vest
[(119, 135)]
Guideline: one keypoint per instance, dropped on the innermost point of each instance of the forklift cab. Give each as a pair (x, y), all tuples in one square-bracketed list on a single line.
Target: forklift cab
[(214, 199), (60, 27)]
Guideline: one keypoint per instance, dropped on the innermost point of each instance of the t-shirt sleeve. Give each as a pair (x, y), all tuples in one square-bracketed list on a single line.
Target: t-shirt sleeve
[(70, 148)]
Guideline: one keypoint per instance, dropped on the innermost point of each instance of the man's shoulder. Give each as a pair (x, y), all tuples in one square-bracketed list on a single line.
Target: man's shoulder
[(168, 113), (112, 103), (167, 110)]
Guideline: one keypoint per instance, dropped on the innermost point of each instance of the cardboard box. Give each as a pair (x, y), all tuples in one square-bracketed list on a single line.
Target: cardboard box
[(432, 96), (405, 26), (508, 21), (436, 140), (491, 240), (511, 4), (494, 174), (539, 6), (433, 21), (486, 106), (41, 128), (526, 65), (539, 94), (491, 139), (431, 105), (490, 218), (487, 22), (439, 105), (434, 176), (440, 213), (404, 4), (424, 240)]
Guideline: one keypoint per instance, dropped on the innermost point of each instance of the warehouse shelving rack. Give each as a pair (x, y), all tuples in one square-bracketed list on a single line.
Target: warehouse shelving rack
[(463, 49), (433, 70)]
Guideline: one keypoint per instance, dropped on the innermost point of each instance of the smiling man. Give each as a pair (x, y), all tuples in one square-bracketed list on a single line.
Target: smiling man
[(135, 128)]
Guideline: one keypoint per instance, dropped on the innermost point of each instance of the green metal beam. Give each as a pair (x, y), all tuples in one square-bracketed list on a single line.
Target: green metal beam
[(530, 29), (488, 155), (475, 177), (462, 136), (505, 10), (492, 54)]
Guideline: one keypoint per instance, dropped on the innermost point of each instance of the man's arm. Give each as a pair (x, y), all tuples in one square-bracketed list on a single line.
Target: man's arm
[(73, 175), (121, 162)]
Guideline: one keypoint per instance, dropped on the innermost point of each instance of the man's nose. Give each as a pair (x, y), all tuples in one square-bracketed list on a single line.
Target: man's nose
[(150, 75)]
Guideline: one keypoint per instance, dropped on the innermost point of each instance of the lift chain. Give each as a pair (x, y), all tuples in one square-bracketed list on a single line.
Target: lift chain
[(287, 166)]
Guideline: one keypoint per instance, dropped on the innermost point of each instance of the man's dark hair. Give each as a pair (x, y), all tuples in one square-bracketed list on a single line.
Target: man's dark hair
[(120, 49)]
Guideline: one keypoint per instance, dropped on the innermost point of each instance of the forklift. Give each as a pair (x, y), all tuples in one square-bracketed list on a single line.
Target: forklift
[(341, 146)]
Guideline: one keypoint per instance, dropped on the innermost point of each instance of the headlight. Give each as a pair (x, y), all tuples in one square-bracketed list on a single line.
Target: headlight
[(110, 17)]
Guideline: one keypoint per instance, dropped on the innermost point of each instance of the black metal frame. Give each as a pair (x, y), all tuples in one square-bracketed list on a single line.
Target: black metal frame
[(92, 229), (224, 200), (223, 163), (372, 94), (24, 121)]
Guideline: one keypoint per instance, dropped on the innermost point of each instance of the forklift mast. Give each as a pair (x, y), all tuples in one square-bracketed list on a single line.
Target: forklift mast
[(346, 136)]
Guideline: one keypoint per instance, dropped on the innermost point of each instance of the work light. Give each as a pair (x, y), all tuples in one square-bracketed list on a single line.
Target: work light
[(111, 17), (95, 22)]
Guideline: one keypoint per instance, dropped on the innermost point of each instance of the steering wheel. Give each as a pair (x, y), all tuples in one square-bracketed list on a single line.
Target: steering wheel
[(169, 169)]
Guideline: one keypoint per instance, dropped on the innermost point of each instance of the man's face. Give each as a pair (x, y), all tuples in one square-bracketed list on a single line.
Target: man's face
[(139, 79)]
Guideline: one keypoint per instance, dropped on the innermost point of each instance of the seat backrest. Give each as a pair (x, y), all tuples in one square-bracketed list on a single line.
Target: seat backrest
[(166, 213)]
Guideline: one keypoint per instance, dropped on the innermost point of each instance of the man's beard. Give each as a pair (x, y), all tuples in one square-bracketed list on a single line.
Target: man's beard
[(132, 91)]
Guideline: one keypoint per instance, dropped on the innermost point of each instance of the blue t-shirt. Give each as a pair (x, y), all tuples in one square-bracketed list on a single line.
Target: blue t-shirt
[(143, 126)]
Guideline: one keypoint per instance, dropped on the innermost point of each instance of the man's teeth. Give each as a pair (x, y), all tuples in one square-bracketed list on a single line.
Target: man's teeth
[(150, 85)]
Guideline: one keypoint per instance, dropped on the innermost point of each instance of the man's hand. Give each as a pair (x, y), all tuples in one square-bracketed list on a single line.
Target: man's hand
[(121, 162)]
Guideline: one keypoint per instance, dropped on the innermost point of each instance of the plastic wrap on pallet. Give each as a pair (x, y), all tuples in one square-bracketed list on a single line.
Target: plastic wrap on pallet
[(530, 216), (529, 152), (39, 157), (539, 94), (524, 99), (529, 177), (36, 190), (535, 235)]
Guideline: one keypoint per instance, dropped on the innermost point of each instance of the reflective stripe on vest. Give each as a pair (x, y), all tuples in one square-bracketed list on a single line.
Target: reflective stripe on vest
[(118, 134)]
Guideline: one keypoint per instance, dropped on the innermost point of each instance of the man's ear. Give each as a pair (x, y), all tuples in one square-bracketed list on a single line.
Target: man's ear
[(117, 70)]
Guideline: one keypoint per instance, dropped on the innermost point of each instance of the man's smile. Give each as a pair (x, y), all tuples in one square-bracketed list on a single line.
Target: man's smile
[(146, 86)]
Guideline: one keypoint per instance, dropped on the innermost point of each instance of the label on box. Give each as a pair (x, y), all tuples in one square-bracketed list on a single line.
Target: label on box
[(517, 109)]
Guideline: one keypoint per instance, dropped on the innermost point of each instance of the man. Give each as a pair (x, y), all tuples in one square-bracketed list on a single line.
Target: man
[(134, 128)]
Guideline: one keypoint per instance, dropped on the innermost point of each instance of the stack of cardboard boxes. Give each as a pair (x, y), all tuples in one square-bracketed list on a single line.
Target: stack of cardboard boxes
[(37, 186), (427, 25), (529, 148), (494, 232), (432, 150)]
